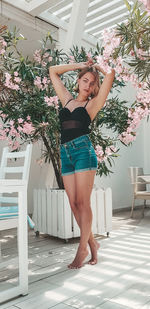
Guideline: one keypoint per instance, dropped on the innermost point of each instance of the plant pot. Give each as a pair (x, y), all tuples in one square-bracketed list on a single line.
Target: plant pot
[(52, 214)]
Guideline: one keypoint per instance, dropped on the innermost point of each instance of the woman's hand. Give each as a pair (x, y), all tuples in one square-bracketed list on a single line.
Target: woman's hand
[(89, 63)]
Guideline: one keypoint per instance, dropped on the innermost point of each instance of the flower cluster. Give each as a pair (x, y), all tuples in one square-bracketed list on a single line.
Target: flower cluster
[(3, 46), (126, 74), (102, 155), (42, 58), (13, 131), (52, 101), (41, 83), (12, 81)]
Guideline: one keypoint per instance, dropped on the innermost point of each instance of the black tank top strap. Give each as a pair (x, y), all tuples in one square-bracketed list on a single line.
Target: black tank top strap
[(68, 101), (86, 103)]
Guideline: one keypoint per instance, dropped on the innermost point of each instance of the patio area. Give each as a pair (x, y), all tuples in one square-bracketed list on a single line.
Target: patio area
[(120, 280)]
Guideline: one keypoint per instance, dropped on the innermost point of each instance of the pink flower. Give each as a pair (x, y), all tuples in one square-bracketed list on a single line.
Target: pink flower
[(11, 122), (17, 79), (20, 120), (127, 138), (72, 60), (40, 161), (8, 82), (147, 5), (108, 151), (52, 101), (2, 51), (3, 115), (15, 73), (103, 64), (113, 148), (37, 56), (19, 128), (41, 84), (3, 42), (43, 64), (27, 128), (44, 81), (89, 55), (111, 41), (46, 55), (15, 145)]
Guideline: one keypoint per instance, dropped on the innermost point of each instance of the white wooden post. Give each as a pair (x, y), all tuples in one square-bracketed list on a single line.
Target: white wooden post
[(76, 23), (23, 241)]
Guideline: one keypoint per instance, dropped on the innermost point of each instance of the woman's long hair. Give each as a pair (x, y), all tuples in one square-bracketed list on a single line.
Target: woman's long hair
[(95, 73)]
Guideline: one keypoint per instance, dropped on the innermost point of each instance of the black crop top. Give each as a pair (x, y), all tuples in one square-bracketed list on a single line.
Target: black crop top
[(75, 123)]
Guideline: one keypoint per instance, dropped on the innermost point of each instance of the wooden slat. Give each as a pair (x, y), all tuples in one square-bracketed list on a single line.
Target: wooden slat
[(43, 211), (54, 212), (49, 212), (108, 209), (67, 218), (61, 214), (18, 154), (12, 200), (35, 213), (100, 210), (94, 211), (14, 170)]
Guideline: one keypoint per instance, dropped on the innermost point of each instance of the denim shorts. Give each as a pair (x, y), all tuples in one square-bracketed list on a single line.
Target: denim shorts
[(77, 155)]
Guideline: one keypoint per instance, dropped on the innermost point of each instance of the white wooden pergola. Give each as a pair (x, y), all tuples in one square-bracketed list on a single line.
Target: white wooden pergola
[(81, 19)]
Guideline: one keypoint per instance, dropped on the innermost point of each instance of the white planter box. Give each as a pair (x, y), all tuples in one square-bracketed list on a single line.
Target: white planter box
[(52, 214)]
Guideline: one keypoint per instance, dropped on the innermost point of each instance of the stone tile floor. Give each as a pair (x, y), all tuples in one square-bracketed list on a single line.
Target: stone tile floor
[(120, 280)]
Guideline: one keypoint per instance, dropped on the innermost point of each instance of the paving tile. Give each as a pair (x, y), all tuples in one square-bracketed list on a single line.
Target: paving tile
[(135, 297), (62, 306), (34, 289), (48, 298), (111, 305), (146, 306)]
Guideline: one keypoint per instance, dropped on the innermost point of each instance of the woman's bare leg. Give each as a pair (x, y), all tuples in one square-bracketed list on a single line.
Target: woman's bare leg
[(72, 185), (69, 184)]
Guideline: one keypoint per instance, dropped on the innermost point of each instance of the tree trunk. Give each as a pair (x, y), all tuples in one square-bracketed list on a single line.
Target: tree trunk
[(55, 165)]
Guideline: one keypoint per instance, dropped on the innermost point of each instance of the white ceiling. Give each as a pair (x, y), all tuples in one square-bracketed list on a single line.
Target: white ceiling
[(101, 13)]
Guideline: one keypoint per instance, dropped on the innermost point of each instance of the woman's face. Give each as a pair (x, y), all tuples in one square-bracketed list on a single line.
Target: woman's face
[(86, 84)]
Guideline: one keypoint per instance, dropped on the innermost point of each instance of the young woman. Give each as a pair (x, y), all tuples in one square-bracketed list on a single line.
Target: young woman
[(78, 158)]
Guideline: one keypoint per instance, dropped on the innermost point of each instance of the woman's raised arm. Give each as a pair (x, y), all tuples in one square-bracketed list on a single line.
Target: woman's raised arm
[(104, 90), (55, 72)]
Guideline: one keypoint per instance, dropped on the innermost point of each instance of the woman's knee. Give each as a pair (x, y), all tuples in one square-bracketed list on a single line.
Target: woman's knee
[(73, 205), (82, 204)]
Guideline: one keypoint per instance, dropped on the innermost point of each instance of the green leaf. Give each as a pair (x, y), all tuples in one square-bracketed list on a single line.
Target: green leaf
[(127, 5)]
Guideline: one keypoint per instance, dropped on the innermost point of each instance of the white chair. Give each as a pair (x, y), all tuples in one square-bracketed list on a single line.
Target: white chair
[(139, 187), (14, 179)]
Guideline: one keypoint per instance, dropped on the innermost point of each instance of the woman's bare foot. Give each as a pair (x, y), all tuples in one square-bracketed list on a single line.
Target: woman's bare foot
[(94, 248), (79, 258)]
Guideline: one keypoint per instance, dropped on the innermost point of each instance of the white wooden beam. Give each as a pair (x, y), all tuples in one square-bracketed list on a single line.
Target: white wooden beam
[(9, 11), (34, 7), (76, 23), (20, 4), (37, 7), (54, 20)]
